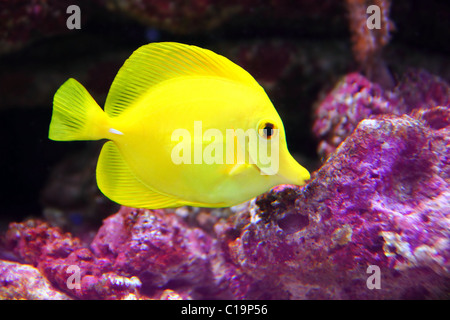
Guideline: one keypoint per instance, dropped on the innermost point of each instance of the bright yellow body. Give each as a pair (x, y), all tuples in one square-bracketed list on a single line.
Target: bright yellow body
[(147, 103)]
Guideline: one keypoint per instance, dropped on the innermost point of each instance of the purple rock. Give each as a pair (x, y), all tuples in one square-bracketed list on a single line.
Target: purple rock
[(21, 281), (382, 199), (155, 246), (419, 89), (355, 98), (136, 254)]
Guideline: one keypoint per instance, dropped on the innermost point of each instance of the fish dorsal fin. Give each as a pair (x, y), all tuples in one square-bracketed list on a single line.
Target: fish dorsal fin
[(154, 63)]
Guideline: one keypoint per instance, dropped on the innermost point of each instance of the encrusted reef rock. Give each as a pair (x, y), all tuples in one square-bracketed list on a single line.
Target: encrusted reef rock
[(21, 281), (383, 199), (136, 254), (155, 246), (355, 98)]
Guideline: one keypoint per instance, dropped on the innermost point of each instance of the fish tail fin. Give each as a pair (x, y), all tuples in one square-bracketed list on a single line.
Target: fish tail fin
[(76, 115)]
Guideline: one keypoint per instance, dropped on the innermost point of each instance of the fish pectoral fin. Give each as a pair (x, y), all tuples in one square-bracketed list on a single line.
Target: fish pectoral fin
[(239, 168), (117, 181)]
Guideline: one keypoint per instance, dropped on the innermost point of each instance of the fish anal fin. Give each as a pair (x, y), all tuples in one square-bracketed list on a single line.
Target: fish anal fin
[(117, 181)]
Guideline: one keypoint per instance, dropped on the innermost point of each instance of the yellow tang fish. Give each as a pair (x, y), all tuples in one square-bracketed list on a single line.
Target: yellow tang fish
[(185, 125)]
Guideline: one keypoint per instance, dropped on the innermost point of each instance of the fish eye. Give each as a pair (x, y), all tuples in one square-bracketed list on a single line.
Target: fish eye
[(266, 129)]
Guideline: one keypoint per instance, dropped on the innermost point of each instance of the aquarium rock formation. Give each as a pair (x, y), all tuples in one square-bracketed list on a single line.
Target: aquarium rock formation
[(355, 98)]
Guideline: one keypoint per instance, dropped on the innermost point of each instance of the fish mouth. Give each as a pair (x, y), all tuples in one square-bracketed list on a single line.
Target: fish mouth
[(291, 172)]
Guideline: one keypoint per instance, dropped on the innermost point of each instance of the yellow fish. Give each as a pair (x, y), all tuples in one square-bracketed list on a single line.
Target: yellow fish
[(185, 125)]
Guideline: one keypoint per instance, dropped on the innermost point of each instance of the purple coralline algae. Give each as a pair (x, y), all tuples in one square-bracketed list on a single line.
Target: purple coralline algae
[(136, 254), (382, 199), (155, 246), (372, 223), (355, 98), (21, 281)]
